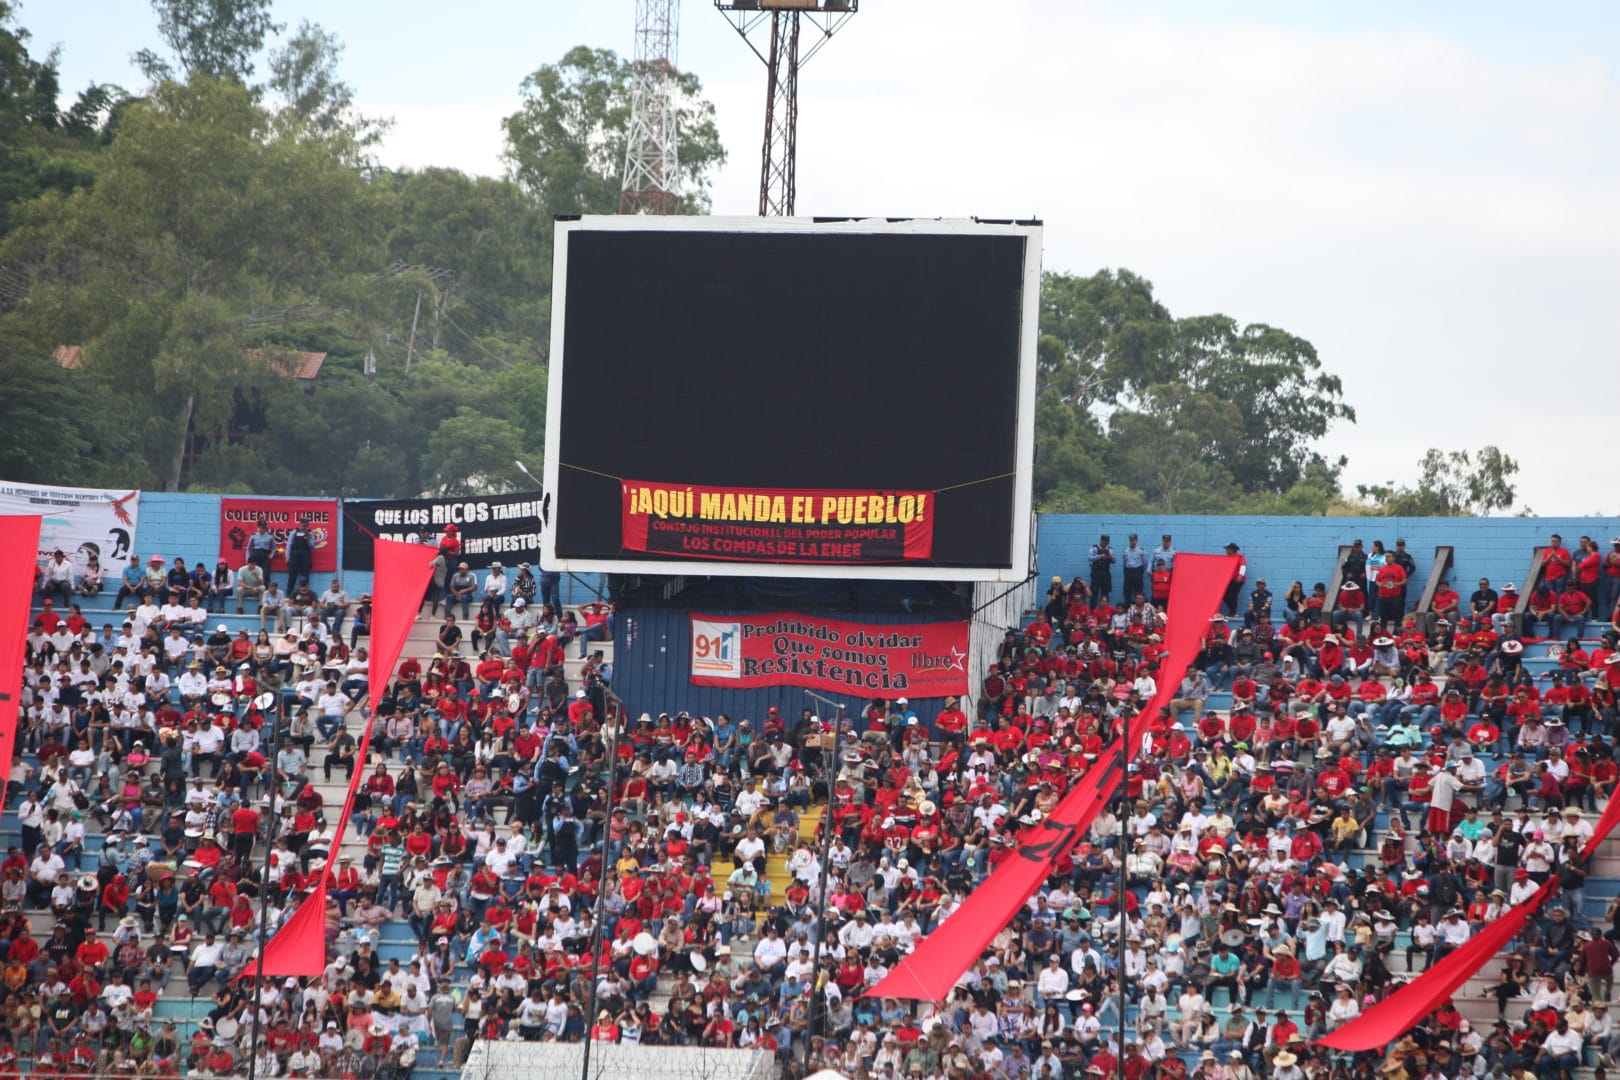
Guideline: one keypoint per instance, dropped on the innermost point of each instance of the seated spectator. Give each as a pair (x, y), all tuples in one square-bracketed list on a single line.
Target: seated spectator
[(56, 581)]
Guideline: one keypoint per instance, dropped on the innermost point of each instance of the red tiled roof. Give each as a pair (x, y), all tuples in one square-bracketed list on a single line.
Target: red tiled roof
[(71, 357), (294, 365)]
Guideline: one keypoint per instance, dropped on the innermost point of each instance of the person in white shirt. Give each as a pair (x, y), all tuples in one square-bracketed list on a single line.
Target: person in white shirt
[(1333, 920), (193, 684), (157, 684), (204, 963), (43, 872), (751, 850), (173, 612), (771, 952), (334, 604), (143, 617), (1453, 933), (1560, 1051), (1190, 1007), (556, 1015), (175, 646), (309, 688), (1576, 826), (495, 585), (333, 704), (1344, 1008)]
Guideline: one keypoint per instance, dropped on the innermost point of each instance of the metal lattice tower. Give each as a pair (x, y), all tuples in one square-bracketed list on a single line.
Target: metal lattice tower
[(772, 28), (652, 153)]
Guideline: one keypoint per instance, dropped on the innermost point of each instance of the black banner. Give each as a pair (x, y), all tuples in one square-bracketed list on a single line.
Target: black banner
[(493, 528)]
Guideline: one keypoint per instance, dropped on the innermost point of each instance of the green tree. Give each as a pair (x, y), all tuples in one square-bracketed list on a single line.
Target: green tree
[(474, 249), (1112, 355), (1274, 378), (566, 144), (1450, 484), (1101, 335), (468, 453), (28, 86), (215, 38), (50, 426), (304, 76), (1175, 448), (208, 223)]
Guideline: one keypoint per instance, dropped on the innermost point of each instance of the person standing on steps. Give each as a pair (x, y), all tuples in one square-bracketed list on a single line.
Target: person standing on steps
[(300, 554), (1229, 604), (261, 548), (1133, 560), (1101, 561)]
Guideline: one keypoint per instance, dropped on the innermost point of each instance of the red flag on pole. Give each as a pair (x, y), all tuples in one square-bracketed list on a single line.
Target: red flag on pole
[(934, 966), (19, 544), (401, 579)]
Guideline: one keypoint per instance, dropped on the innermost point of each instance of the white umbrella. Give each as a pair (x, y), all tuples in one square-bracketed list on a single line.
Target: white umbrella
[(644, 944)]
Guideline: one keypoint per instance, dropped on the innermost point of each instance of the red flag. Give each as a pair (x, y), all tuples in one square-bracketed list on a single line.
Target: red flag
[(398, 585), (19, 540), (1605, 825), (401, 580), (934, 966), (1388, 1020)]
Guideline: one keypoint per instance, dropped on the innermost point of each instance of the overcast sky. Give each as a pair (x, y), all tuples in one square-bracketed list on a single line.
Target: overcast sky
[(1429, 193)]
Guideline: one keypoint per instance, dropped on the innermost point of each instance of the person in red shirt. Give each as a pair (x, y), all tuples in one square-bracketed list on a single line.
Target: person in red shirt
[(93, 952), (1573, 608), (1391, 585), (1351, 606), (1445, 605), (1557, 564), (1285, 975), (1609, 587)]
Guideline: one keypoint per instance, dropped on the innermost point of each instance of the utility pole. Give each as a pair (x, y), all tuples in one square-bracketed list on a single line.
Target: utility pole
[(652, 165), (772, 28)]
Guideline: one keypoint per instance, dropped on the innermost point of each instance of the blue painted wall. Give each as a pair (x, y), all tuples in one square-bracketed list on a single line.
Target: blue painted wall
[(1286, 549), (652, 669)]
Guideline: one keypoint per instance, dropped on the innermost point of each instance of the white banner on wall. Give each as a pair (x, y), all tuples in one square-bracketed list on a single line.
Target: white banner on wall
[(80, 521)]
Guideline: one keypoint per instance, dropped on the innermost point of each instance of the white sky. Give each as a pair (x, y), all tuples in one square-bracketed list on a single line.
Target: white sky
[(1432, 198)]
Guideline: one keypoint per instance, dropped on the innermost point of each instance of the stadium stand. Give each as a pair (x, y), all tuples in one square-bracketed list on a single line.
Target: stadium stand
[(1333, 804)]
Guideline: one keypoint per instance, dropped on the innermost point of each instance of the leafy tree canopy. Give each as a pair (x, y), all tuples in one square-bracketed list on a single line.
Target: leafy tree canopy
[(194, 241)]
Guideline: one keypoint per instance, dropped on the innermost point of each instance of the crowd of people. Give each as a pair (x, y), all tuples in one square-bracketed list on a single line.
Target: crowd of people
[(567, 869)]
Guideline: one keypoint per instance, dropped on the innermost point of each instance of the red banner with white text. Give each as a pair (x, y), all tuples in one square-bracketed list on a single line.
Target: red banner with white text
[(791, 525), (921, 660), (19, 538), (930, 971), (239, 519)]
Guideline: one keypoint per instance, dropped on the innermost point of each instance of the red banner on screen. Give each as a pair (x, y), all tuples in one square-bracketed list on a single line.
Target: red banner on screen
[(931, 969), (743, 651), (791, 525), (19, 538), (239, 519)]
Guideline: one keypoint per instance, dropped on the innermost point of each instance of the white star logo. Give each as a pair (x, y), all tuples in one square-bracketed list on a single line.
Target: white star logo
[(958, 660)]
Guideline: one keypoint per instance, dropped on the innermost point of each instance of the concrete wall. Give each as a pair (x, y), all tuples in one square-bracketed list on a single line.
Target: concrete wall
[(1287, 549)]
